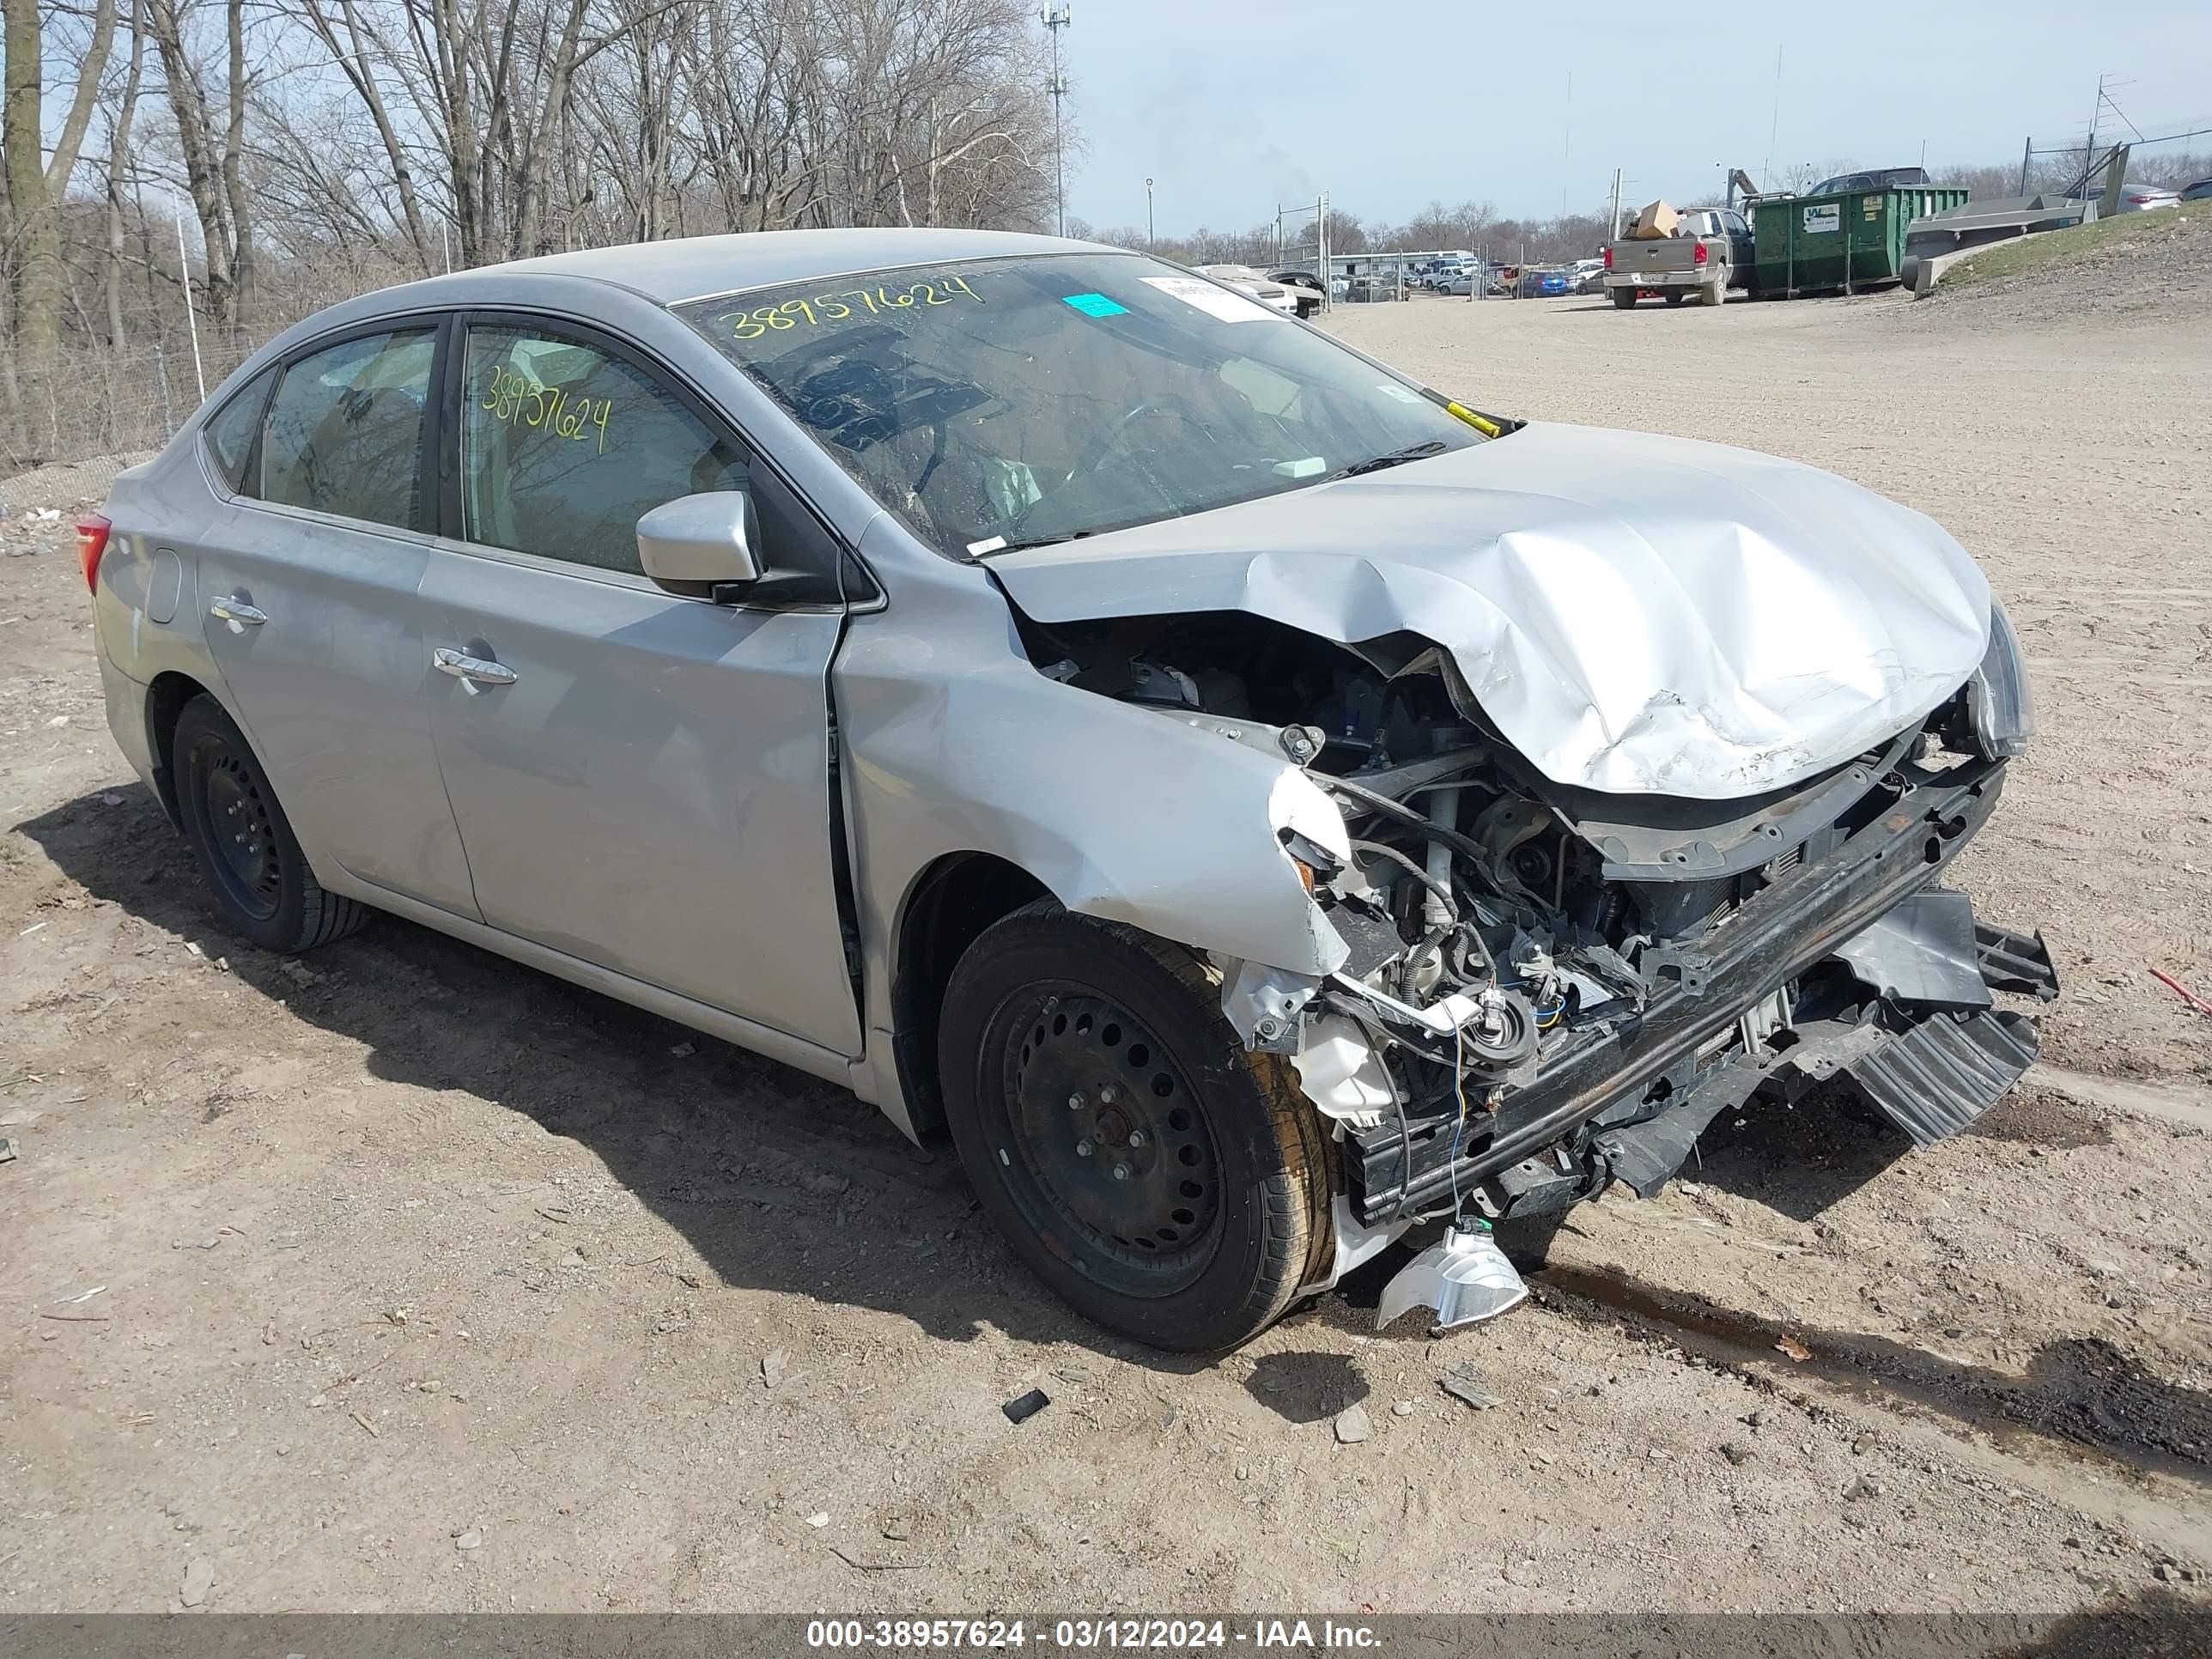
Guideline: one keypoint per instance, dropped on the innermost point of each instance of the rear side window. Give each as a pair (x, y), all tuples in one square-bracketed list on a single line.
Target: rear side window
[(344, 432), (565, 446), (229, 435)]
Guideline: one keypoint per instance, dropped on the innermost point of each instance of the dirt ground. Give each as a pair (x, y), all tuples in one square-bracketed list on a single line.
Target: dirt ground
[(428, 1283)]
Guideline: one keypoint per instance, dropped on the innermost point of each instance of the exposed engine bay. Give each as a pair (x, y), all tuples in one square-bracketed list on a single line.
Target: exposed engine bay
[(1547, 988)]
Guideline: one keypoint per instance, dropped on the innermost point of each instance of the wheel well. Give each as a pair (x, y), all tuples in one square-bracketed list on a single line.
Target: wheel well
[(165, 701), (952, 903)]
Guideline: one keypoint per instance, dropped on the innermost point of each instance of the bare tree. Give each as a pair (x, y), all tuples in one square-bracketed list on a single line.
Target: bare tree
[(36, 183)]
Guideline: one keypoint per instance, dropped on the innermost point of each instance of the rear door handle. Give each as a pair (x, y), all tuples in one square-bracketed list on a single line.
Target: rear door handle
[(472, 671), (226, 607)]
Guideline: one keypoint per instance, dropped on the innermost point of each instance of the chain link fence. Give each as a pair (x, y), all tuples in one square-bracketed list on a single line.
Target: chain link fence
[(86, 409)]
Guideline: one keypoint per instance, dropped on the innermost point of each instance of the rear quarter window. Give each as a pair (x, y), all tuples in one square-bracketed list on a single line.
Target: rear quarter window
[(228, 437)]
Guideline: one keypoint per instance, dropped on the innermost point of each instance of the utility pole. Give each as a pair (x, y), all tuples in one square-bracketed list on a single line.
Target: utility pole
[(2089, 150), (1321, 253), (1056, 19), (2026, 154), (1148, 216), (1612, 219)]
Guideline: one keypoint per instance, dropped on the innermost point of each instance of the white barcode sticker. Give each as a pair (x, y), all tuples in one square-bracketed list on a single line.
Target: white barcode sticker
[(1214, 301)]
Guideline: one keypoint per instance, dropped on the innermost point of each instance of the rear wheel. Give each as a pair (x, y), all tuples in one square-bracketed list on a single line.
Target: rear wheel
[(1624, 298), (243, 842), (1167, 1183), (1715, 291)]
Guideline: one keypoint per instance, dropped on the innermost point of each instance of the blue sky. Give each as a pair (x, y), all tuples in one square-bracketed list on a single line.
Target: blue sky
[(1230, 106)]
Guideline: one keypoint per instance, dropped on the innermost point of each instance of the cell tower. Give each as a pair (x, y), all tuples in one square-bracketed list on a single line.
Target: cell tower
[(1056, 19)]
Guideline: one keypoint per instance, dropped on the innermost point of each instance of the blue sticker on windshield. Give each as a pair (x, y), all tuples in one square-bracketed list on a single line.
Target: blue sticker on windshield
[(1095, 305)]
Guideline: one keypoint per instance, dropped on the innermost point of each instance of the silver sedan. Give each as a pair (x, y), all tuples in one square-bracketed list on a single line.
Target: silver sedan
[(1258, 806)]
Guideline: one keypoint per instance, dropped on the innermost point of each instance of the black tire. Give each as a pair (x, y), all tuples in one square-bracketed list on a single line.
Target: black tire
[(1224, 1208), (243, 844), (1623, 298)]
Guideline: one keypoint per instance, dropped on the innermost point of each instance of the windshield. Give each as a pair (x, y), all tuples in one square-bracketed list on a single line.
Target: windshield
[(998, 403)]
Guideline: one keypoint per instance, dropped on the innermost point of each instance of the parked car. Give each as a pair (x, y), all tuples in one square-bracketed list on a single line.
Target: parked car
[(1709, 254), (1460, 282), (1545, 283), (2134, 198), (1872, 179), (1304, 287), (1246, 280), (1589, 276), (1011, 678)]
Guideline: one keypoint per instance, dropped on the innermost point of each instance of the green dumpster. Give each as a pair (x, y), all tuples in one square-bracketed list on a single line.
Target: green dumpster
[(1841, 242)]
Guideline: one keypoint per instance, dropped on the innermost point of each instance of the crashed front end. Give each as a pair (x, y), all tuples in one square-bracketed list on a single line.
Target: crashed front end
[(1546, 988)]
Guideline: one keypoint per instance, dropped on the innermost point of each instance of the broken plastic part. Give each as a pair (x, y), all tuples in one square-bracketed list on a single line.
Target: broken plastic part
[(1465, 1278), (1341, 1074), (1264, 1004), (1355, 1244)]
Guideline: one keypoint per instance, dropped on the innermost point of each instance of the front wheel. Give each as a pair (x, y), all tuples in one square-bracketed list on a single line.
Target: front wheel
[(1165, 1181), (1624, 298)]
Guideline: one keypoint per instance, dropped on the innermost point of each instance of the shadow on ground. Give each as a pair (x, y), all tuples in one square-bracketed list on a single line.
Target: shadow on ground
[(2082, 1390), (779, 1180)]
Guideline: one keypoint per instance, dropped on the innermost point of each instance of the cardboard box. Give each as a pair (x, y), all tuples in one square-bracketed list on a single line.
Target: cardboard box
[(1656, 222)]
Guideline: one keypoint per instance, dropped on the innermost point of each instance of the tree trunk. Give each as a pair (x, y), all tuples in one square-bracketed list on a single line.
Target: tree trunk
[(37, 226), (119, 165), (239, 204)]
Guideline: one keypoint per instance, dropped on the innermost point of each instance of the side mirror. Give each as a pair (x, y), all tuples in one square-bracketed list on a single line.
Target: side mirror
[(701, 538)]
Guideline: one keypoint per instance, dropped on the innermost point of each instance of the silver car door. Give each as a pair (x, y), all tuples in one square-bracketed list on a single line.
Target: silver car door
[(306, 580), (641, 777)]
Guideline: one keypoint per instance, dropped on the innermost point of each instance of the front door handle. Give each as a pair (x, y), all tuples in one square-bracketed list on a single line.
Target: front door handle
[(472, 671), (227, 607)]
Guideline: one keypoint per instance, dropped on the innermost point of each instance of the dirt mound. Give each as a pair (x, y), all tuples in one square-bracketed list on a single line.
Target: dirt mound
[(2136, 268)]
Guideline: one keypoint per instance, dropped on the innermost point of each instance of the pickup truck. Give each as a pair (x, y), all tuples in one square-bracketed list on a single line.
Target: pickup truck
[(1709, 254)]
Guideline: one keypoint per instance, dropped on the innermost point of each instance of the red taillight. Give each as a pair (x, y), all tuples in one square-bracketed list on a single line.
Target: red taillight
[(92, 542), (1703, 254), (1608, 258)]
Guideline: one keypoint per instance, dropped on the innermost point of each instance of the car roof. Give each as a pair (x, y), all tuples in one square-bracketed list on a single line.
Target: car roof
[(698, 267)]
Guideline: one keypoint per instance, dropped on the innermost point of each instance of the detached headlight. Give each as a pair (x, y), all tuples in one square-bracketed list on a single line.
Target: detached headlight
[(1997, 697)]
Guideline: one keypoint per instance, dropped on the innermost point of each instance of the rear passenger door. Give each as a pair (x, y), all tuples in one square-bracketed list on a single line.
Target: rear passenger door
[(641, 777), (305, 582)]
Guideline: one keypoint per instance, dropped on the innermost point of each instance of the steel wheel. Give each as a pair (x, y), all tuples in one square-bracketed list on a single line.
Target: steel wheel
[(242, 841), (1106, 1122), (243, 832), (1163, 1180)]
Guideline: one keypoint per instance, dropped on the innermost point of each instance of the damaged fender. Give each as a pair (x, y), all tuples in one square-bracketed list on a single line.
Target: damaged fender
[(952, 743)]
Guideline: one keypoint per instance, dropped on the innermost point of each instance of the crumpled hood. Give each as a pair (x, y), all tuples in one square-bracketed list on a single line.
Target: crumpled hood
[(1636, 614)]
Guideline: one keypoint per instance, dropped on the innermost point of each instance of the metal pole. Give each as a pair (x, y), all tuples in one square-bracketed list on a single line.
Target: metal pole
[(1148, 216), (185, 280), (2026, 150), (2089, 151), (1321, 249), (1056, 20)]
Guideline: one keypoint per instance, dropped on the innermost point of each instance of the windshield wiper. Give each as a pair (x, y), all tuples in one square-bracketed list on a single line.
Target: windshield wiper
[(1036, 541), (1396, 457)]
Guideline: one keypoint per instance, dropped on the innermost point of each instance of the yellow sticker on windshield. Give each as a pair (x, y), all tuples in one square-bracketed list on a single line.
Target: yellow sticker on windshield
[(883, 300), (1481, 423)]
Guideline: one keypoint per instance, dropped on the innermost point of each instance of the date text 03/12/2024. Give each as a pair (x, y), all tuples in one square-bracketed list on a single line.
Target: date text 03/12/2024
[(1088, 1635)]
